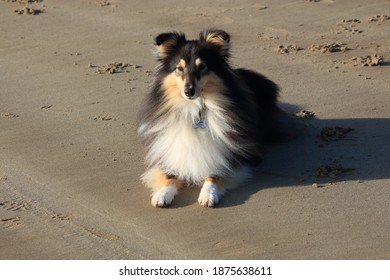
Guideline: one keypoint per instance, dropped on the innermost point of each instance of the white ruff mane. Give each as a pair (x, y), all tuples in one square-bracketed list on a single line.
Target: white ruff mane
[(191, 154)]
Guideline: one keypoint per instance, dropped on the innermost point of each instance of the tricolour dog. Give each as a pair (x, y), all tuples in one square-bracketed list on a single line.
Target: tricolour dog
[(202, 122)]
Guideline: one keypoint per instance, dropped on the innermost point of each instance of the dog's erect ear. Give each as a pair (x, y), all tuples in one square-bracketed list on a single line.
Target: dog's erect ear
[(168, 43), (218, 39)]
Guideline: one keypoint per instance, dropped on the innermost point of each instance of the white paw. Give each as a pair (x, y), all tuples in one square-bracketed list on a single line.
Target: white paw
[(209, 195), (164, 196)]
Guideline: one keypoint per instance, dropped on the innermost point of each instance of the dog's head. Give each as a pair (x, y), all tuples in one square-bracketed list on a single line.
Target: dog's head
[(189, 64)]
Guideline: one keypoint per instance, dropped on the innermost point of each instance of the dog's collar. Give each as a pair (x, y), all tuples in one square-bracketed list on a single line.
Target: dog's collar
[(200, 122)]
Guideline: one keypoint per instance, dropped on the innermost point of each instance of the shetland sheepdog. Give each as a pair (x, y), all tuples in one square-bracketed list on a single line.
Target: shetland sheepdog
[(202, 122)]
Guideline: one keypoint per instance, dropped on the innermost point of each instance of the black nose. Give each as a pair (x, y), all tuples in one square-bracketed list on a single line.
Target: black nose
[(189, 91)]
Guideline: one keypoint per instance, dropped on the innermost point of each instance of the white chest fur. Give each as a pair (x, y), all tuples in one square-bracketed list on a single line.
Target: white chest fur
[(189, 153)]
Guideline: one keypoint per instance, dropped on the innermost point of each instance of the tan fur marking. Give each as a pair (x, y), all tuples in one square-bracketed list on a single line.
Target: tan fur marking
[(164, 181), (164, 48), (211, 85), (182, 63), (217, 39), (198, 61), (173, 86), (214, 38), (214, 180)]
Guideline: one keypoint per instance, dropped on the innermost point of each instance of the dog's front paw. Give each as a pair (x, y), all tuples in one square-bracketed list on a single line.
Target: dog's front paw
[(209, 194), (164, 196)]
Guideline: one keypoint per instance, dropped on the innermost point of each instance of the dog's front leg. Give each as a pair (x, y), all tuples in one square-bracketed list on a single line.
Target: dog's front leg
[(210, 193), (164, 187), (169, 187)]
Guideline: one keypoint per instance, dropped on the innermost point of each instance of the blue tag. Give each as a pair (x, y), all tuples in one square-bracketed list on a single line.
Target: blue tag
[(201, 124)]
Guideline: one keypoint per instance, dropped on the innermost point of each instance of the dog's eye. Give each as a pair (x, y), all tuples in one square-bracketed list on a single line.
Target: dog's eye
[(179, 68), (201, 67)]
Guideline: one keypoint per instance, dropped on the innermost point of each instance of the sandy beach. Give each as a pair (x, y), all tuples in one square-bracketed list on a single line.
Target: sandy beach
[(72, 76)]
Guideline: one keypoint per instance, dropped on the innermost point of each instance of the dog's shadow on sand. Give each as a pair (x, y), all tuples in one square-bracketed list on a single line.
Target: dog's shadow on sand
[(364, 154)]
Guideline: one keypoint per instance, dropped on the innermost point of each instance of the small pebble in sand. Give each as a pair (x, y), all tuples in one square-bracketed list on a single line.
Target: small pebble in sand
[(113, 68), (8, 115), (353, 20), (380, 18), (116, 67), (348, 25), (24, 1), (287, 49), (102, 118), (27, 11), (304, 114), (103, 3), (46, 107), (369, 60), (332, 47)]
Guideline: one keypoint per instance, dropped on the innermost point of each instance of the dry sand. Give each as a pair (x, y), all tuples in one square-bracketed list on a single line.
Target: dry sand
[(70, 162)]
